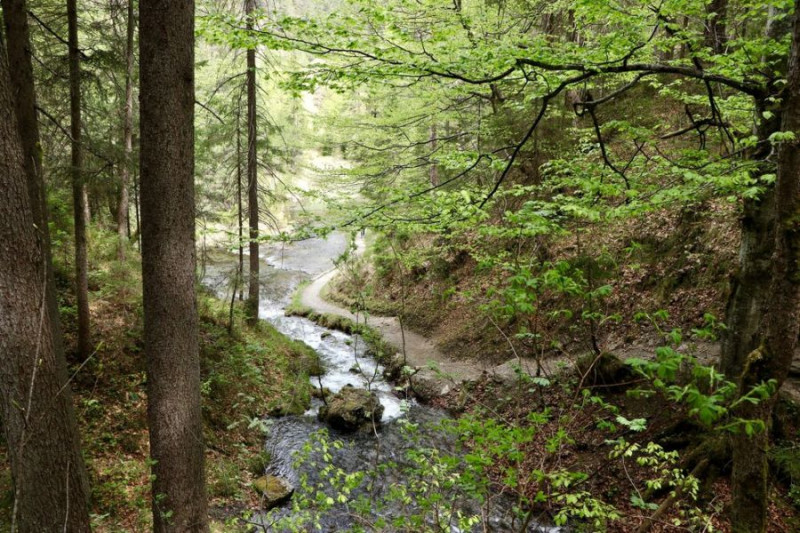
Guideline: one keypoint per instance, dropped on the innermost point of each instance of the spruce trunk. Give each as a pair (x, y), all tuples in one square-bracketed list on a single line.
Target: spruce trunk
[(252, 176), (79, 195), (123, 226), (168, 265), (50, 485)]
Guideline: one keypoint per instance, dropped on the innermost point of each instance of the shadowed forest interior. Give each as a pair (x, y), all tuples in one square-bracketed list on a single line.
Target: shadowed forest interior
[(401, 266)]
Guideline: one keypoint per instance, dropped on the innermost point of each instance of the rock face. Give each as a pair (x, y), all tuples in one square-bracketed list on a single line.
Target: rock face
[(274, 490), (351, 408)]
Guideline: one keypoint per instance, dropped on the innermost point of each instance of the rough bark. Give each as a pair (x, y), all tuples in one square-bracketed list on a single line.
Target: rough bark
[(122, 206), (750, 282), (50, 484), (15, 15), (252, 177), (79, 195), (780, 317), (168, 264)]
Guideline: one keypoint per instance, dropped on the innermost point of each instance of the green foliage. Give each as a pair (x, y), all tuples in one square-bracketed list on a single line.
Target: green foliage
[(664, 475), (223, 478), (259, 462), (709, 398), (439, 486)]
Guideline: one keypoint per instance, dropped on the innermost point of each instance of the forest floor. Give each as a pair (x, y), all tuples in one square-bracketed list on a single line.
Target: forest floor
[(245, 373)]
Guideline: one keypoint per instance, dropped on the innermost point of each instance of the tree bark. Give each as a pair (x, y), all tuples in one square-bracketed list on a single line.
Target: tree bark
[(252, 176), (168, 265), (50, 483), (750, 283), (779, 316), (122, 206), (239, 284), (136, 210), (716, 28), (15, 14), (79, 195)]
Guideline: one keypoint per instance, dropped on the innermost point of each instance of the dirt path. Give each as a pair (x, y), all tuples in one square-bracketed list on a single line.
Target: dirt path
[(420, 351), (436, 372)]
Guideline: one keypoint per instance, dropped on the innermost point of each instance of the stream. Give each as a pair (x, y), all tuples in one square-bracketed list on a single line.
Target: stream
[(398, 458)]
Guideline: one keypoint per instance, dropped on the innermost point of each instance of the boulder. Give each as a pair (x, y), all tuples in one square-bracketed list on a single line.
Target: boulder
[(428, 385), (274, 490), (351, 408)]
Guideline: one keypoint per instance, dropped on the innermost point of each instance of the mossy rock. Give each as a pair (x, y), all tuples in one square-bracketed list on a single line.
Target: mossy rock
[(351, 408), (293, 401), (273, 490), (322, 393), (306, 360), (292, 407)]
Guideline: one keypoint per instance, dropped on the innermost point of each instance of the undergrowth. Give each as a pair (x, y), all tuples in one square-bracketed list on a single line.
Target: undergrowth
[(245, 374)]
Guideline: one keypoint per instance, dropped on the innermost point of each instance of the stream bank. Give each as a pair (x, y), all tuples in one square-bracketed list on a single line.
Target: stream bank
[(430, 373), (371, 475)]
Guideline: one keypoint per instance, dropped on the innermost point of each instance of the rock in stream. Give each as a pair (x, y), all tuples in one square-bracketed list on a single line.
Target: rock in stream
[(351, 408)]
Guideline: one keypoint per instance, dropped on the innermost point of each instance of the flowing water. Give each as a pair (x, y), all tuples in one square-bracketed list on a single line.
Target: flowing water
[(399, 454)]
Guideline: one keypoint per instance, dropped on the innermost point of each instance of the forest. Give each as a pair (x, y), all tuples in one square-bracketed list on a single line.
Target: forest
[(404, 266)]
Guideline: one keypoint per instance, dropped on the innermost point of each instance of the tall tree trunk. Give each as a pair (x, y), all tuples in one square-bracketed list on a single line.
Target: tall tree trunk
[(779, 316), (15, 14), (122, 207), (136, 210), (239, 284), (168, 265), (252, 175), (80, 205), (50, 485), (750, 283)]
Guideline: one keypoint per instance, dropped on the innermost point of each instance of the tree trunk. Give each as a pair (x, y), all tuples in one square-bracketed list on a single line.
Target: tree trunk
[(50, 485), (79, 195), (122, 207), (779, 316), (239, 283), (716, 28), (168, 265), (15, 14), (252, 176), (136, 210), (750, 283)]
